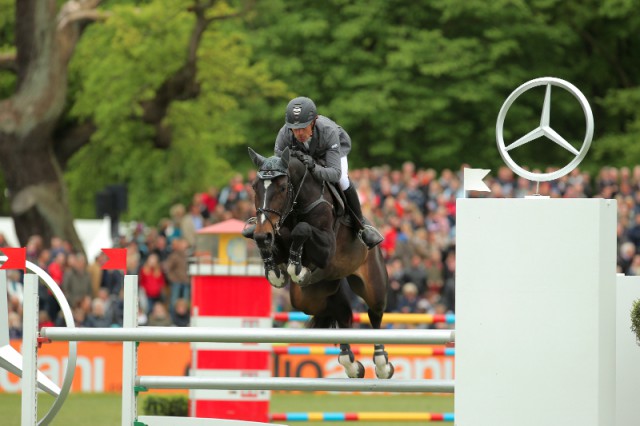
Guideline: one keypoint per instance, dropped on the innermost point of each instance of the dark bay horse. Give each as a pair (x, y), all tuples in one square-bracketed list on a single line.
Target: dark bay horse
[(304, 242)]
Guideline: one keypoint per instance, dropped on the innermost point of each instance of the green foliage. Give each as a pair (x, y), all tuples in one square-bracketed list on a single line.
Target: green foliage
[(425, 80), (7, 84), (635, 319), (140, 47), (7, 40), (166, 405), (409, 80), (7, 78), (7, 23)]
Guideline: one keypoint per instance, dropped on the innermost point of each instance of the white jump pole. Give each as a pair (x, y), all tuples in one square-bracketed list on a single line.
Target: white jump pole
[(130, 352), (29, 352), (294, 383), (249, 335)]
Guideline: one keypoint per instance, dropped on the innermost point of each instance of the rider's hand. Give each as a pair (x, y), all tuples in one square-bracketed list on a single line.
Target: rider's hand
[(308, 161)]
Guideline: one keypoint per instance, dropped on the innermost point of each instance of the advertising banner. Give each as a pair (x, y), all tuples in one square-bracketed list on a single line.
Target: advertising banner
[(100, 364), (99, 367)]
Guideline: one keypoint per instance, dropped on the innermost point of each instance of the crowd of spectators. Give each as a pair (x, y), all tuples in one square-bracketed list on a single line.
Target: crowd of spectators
[(96, 295), (414, 208)]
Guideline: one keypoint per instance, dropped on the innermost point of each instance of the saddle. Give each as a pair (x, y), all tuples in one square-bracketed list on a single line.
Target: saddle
[(338, 197)]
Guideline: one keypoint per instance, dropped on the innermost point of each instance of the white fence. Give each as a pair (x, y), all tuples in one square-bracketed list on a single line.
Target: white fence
[(131, 334)]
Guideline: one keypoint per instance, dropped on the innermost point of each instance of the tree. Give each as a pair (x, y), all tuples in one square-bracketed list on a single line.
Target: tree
[(149, 99), (171, 90), (424, 81), (30, 155)]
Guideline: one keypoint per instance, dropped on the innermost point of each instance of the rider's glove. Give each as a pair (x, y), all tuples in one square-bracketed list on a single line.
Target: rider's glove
[(308, 161)]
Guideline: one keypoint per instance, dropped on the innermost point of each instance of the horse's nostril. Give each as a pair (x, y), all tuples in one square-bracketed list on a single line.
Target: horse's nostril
[(263, 239)]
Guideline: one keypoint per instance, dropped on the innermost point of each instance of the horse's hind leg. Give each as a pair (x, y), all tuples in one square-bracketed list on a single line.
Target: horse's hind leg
[(384, 369), (372, 285), (347, 359), (330, 307), (342, 313)]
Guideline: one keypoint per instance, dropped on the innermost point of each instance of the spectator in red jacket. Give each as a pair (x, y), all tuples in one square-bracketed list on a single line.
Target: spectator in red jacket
[(152, 280)]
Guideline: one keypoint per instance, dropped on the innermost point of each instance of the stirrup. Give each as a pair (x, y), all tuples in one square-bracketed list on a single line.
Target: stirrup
[(249, 227), (370, 236)]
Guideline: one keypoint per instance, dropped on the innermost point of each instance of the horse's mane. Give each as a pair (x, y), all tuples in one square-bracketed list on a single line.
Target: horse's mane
[(286, 163), (295, 166)]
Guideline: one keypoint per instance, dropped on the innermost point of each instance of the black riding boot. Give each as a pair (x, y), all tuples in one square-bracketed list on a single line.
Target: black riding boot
[(249, 228), (369, 235)]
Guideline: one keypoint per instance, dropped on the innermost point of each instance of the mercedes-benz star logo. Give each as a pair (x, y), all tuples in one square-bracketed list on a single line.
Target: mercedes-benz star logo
[(544, 129)]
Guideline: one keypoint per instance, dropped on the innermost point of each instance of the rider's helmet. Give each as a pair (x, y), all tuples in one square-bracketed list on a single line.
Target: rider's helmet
[(301, 112)]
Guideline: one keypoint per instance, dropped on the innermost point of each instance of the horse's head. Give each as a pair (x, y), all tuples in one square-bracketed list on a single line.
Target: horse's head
[(274, 193)]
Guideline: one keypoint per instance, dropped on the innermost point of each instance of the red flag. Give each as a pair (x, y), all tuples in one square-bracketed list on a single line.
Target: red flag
[(16, 258), (117, 258)]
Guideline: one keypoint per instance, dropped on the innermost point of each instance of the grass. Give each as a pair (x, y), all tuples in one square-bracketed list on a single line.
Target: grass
[(96, 409), (104, 409)]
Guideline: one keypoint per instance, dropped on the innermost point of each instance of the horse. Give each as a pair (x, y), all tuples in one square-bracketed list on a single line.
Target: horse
[(306, 241)]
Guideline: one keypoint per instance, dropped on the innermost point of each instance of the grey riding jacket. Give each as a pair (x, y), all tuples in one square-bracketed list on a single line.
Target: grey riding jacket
[(329, 142)]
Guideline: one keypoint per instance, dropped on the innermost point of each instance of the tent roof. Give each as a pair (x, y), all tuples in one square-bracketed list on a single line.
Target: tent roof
[(231, 226)]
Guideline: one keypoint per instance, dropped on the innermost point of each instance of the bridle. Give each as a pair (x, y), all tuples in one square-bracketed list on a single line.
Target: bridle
[(289, 205)]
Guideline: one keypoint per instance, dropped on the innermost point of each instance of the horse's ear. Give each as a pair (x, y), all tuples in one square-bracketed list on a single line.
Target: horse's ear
[(256, 158), (285, 157)]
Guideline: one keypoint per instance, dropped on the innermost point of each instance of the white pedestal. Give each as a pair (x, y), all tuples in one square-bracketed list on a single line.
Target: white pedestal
[(627, 354), (535, 312)]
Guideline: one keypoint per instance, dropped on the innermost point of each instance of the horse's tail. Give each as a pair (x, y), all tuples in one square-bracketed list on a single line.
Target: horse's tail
[(338, 313)]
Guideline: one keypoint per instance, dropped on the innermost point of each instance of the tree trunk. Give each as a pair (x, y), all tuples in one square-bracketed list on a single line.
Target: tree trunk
[(36, 190), (30, 158), (45, 39)]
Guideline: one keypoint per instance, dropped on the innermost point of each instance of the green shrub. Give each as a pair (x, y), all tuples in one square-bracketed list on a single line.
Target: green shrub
[(165, 405), (635, 319)]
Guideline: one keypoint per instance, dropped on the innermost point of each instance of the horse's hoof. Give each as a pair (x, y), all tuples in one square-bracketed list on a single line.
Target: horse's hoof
[(301, 278), (354, 370), (385, 372), (276, 278), (291, 270)]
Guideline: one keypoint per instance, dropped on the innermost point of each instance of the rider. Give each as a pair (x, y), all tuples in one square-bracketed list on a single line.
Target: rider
[(320, 138)]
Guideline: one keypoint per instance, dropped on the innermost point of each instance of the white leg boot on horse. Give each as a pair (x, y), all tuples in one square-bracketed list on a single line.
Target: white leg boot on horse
[(299, 273), (384, 369), (273, 274), (353, 368)]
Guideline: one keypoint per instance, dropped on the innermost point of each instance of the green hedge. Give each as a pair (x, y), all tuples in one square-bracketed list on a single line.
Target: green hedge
[(165, 405), (635, 319)]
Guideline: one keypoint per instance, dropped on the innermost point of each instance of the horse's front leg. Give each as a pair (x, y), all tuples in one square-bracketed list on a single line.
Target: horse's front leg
[(317, 245), (272, 272), (298, 272)]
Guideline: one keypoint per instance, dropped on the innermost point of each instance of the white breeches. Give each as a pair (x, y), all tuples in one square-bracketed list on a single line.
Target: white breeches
[(344, 176)]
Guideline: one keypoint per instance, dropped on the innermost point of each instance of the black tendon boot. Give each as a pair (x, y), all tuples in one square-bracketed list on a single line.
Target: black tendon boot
[(369, 235)]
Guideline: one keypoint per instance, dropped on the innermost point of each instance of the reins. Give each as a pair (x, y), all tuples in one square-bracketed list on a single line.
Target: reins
[(291, 203)]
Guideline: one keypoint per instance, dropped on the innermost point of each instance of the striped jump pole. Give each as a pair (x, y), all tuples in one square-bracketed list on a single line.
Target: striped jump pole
[(389, 318), (334, 350), (381, 416)]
